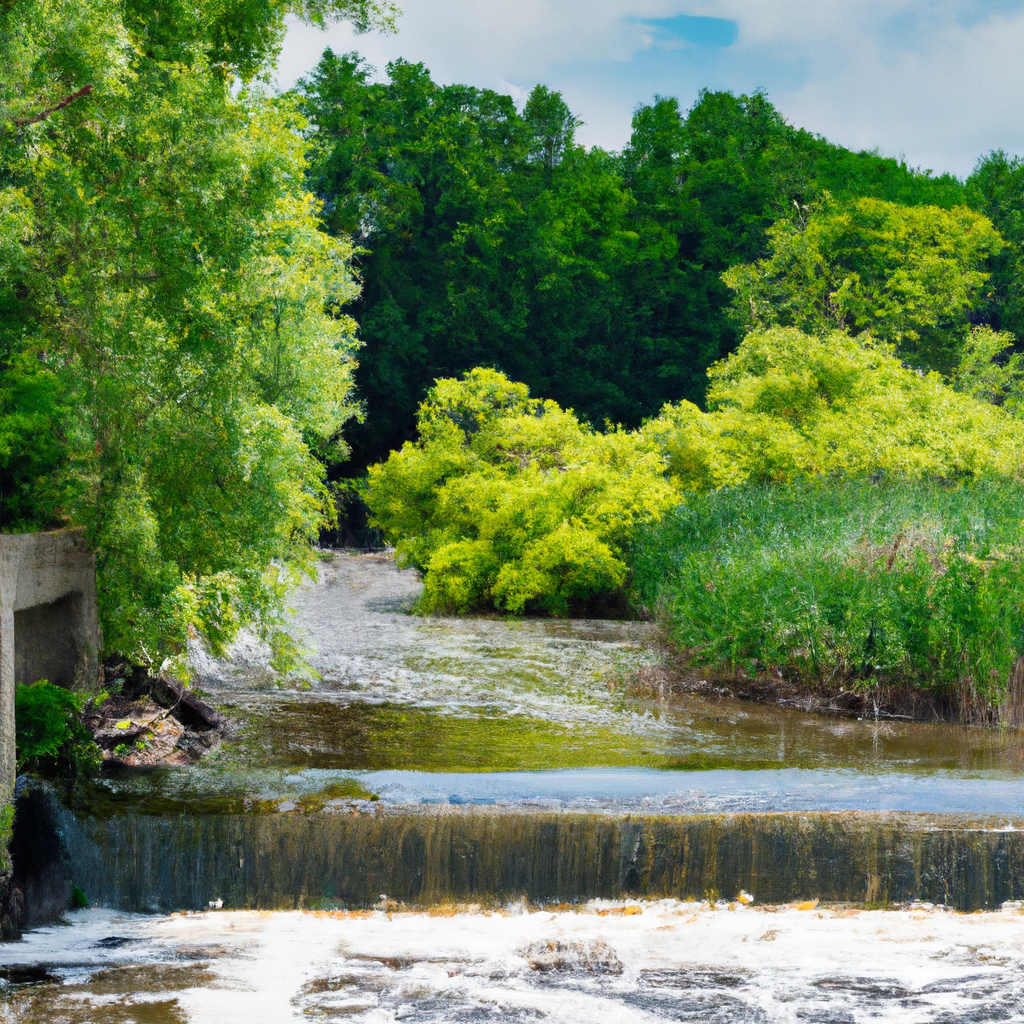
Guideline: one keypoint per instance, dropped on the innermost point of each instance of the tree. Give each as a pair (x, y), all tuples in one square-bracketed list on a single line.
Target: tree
[(551, 126), (491, 238), (910, 275), (996, 189), (171, 309)]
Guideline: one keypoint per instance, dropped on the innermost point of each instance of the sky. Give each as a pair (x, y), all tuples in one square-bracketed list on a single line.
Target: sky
[(937, 82)]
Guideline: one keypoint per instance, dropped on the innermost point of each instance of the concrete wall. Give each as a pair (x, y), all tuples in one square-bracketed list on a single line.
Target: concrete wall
[(49, 627)]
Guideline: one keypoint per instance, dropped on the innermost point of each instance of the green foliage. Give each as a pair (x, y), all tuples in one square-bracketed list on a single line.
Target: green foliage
[(909, 275), (509, 501), (175, 367), (846, 582), (6, 832), (996, 189), (50, 737), (787, 405), (595, 278), (989, 371)]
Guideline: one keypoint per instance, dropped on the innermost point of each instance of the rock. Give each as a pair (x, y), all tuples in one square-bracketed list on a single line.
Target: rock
[(110, 738), (12, 908), (137, 684), (186, 707), (150, 720), (571, 957)]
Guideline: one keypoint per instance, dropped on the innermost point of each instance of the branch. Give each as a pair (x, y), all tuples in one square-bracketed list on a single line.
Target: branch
[(22, 122)]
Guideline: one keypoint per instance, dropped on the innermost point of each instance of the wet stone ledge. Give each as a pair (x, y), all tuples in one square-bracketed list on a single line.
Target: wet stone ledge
[(320, 860)]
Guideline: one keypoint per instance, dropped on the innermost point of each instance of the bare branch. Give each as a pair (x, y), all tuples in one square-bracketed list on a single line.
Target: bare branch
[(22, 122)]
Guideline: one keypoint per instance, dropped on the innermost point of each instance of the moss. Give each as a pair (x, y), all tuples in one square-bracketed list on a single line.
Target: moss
[(6, 831)]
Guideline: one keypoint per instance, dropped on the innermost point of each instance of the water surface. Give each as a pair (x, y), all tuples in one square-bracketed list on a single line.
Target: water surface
[(403, 693), (628, 963)]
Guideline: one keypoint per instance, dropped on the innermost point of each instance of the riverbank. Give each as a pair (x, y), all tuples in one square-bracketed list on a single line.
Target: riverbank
[(845, 596), (880, 702)]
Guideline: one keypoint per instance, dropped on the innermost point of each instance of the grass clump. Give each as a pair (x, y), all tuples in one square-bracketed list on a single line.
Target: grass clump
[(845, 581)]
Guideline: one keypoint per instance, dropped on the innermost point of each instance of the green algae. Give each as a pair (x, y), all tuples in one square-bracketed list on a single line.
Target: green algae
[(687, 734)]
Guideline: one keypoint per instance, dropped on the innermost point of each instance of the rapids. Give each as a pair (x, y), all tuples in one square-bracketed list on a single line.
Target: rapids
[(670, 961)]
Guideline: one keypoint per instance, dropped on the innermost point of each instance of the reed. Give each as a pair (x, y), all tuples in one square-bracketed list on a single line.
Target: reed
[(846, 582)]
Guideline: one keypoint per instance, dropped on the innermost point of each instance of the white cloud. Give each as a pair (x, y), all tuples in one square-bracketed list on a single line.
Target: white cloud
[(936, 80)]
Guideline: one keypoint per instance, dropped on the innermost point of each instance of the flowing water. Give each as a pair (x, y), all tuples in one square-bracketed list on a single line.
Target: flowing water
[(491, 762), (670, 961)]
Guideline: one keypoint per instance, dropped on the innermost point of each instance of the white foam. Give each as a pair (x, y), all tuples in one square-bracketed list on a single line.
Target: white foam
[(611, 962)]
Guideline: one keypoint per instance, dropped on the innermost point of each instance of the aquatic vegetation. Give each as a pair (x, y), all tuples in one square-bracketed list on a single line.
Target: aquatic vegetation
[(845, 581)]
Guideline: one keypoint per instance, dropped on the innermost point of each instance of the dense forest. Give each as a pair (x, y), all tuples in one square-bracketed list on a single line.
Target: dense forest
[(489, 237)]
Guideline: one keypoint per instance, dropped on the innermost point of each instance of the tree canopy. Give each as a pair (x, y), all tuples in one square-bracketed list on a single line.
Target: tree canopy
[(911, 275), (491, 238), (174, 355)]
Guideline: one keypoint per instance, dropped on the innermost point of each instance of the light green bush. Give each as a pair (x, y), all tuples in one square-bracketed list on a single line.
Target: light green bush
[(510, 502), (787, 405)]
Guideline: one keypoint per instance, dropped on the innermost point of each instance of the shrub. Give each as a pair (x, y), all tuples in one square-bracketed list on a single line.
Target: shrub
[(845, 581), (50, 737), (509, 501), (786, 405)]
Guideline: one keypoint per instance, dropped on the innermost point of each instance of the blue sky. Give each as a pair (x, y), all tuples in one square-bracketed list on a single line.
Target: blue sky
[(936, 81)]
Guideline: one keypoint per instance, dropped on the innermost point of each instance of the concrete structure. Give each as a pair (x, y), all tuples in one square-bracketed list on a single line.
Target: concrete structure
[(49, 627)]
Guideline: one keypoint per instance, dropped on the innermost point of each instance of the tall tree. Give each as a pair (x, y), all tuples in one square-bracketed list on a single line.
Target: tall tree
[(910, 275), (491, 238), (173, 355), (996, 188)]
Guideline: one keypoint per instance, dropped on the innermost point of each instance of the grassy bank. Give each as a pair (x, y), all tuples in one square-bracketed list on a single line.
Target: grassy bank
[(845, 583)]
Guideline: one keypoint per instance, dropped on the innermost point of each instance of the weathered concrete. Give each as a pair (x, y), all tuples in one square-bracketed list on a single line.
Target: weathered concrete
[(49, 627)]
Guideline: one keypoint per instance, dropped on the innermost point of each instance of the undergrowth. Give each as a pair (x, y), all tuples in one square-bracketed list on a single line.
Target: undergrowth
[(51, 738), (844, 582)]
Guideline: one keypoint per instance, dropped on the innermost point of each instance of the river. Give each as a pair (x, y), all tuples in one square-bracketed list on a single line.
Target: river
[(550, 843)]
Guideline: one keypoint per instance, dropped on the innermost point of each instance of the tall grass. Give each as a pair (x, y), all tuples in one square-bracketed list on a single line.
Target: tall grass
[(846, 582)]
